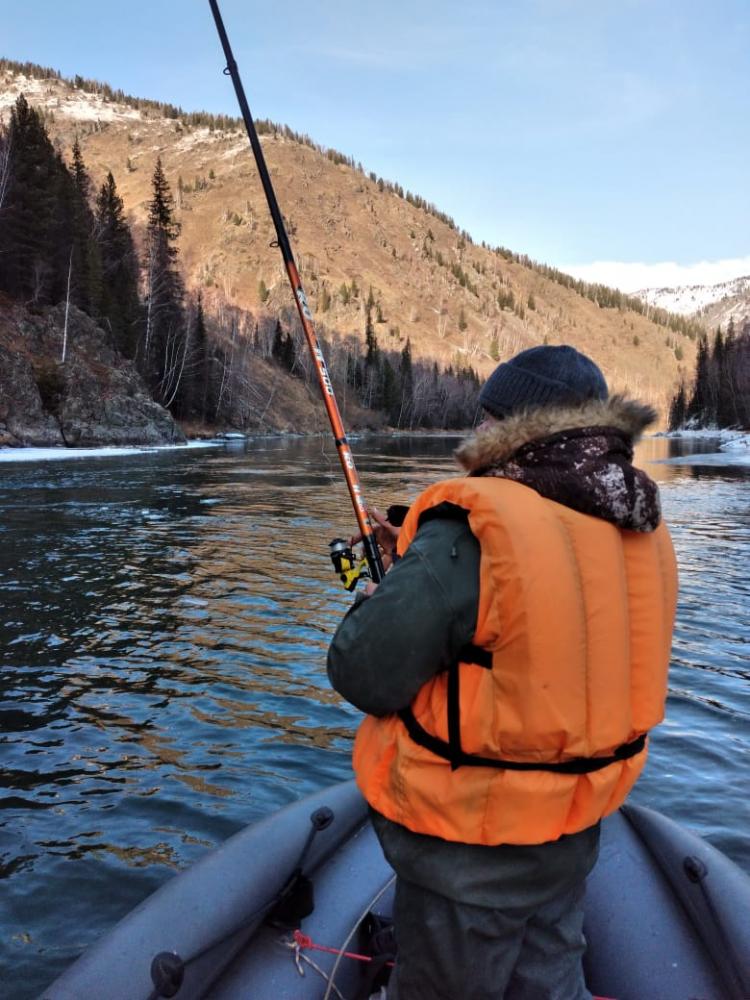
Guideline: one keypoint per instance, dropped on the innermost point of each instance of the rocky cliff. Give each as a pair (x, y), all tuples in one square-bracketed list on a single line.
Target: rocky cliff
[(94, 397)]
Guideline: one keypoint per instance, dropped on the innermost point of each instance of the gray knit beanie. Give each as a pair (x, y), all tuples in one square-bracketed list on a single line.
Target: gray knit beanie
[(542, 376)]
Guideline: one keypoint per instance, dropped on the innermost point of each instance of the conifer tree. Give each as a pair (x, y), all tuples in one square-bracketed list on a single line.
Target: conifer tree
[(391, 397), (405, 369), (351, 371), (80, 174), (677, 409), (86, 261), (373, 386), (120, 308), (290, 353), (724, 381), (166, 346), (371, 342), (406, 384), (696, 409), (277, 346), (739, 369), (200, 374), (282, 349), (193, 394), (30, 228)]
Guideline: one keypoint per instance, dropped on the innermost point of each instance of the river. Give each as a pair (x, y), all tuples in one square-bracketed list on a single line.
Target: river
[(163, 631)]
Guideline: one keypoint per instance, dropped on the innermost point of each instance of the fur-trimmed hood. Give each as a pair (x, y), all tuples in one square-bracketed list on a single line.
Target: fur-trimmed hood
[(579, 456), (500, 439)]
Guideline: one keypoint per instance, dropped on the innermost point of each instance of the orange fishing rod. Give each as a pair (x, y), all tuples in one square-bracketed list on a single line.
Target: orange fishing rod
[(372, 553)]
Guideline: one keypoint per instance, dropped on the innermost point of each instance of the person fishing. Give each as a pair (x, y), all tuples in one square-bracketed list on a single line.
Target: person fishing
[(511, 664)]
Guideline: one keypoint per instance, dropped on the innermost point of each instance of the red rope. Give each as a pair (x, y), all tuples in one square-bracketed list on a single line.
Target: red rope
[(303, 941)]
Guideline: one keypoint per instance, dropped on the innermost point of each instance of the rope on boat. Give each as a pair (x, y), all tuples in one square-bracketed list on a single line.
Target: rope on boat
[(353, 931), (299, 958), (303, 941)]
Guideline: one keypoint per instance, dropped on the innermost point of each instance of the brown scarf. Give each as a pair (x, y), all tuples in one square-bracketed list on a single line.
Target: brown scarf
[(580, 457)]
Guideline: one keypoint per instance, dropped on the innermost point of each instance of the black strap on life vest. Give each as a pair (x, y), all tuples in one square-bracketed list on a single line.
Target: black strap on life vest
[(467, 654), (453, 752)]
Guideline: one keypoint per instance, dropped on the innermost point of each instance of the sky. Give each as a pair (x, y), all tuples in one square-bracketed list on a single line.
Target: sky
[(610, 138)]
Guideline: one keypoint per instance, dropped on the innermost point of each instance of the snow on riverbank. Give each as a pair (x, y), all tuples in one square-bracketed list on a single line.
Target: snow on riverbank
[(48, 454), (731, 440), (740, 443), (710, 458), (734, 447)]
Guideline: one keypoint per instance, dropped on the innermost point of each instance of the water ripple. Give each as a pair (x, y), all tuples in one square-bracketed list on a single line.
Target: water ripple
[(165, 621)]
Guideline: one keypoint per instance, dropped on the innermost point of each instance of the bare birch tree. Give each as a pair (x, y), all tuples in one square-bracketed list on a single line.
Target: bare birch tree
[(67, 308), (5, 163)]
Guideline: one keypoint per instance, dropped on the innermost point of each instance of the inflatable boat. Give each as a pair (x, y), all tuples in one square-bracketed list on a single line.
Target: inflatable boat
[(298, 906)]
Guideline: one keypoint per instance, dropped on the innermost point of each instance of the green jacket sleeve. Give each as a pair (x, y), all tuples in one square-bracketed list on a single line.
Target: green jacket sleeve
[(389, 645)]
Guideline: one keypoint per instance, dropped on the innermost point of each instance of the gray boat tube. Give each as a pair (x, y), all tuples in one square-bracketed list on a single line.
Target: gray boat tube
[(214, 908), (667, 915)]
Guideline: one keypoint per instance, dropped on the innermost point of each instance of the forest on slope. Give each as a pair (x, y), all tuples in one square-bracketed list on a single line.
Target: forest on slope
[(63, 242), (718, 395), (139, 226)]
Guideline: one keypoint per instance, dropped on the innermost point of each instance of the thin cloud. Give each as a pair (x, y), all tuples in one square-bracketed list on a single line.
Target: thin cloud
[(360, 57), (417, 43), (632, 276)]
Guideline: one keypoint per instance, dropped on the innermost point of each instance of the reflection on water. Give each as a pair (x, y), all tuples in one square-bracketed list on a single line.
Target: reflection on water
[(164, 626)]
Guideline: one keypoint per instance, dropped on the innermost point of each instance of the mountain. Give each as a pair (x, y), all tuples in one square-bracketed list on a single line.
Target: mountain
[(455, 301), (715, 305)]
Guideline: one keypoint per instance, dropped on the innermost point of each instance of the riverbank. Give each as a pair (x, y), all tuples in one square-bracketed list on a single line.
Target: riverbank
[(734, 445), (52, 454), (224, 439), (731, 440)]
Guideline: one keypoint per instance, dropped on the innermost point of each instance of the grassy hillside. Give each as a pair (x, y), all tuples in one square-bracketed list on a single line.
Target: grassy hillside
[(458, 302)]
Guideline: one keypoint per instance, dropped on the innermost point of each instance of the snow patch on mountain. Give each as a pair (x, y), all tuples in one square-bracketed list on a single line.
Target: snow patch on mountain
[(57, 98), (688, 299), (198, 137), (238, 149)]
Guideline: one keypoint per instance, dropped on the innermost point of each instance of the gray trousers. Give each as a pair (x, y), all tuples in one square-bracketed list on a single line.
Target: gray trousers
[(453, 951)]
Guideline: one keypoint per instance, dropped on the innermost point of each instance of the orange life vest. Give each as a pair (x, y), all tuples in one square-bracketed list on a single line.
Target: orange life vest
[(540, 730)]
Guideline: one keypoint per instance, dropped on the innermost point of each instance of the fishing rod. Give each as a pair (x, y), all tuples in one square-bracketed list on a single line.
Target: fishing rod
[(371, 551)]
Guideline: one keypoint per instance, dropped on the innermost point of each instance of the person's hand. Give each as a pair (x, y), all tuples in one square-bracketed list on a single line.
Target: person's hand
[(386, 536)]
